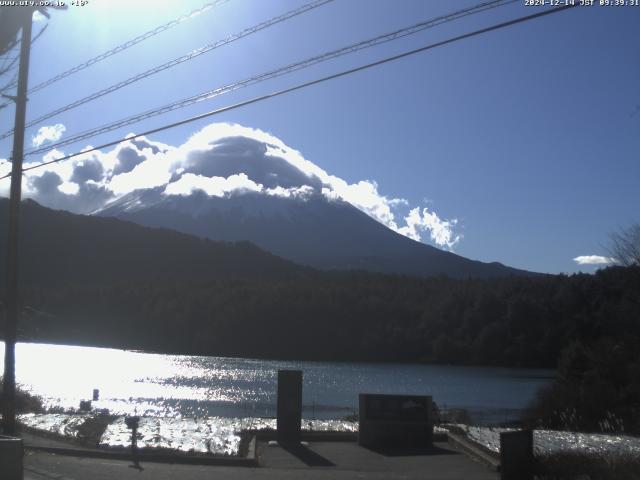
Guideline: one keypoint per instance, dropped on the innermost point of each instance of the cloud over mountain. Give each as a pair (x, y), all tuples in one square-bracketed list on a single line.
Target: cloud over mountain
[(440, 231), (221, 160)]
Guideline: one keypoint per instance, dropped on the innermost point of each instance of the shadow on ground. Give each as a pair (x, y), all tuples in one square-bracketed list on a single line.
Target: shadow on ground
[(411, 452), (306, 455)]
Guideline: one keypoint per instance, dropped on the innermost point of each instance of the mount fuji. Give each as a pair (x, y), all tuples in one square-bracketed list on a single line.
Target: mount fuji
[(314, 231), (233, 183)]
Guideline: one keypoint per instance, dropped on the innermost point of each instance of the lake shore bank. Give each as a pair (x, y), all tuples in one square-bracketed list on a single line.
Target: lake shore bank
[(559, 455)]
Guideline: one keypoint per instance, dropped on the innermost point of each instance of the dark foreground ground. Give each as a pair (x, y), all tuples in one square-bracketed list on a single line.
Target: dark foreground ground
[(318, 460)]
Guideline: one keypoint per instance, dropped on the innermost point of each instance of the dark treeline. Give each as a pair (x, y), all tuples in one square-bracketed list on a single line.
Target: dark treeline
[(515, 321)]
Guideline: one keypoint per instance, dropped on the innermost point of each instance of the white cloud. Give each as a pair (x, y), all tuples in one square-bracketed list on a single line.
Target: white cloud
[(212, 186), (147, 174), (69, 188), (50, 133), (5, 169), (440, 231), (63, 169), (38, 17), (221, 159), (303, 192), (594, 260), (364, 196)]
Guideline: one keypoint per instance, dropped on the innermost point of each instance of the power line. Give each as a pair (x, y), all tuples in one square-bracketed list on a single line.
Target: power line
[(13, 64), (380, 39), (128, 44), (7, 86), (177, 61), (8, 57), (7, 67), (308, 84)]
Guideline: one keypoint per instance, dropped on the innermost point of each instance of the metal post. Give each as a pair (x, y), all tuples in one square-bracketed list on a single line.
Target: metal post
[(11, 319), (516, 455)]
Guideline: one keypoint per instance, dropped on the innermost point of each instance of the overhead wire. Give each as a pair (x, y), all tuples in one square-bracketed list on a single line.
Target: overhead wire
[(5, 60), (13, 82), (177, 61), (10, 61), (127, 44), (7, 68), (380, 39), (11, 65), (308, 84), (7, 86)]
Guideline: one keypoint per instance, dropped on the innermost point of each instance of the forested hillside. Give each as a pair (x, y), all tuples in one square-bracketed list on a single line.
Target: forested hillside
[(102, 281), (348, 316), (60, 248)]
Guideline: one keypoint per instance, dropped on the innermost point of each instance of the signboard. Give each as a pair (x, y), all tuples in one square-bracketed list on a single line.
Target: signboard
[(395, 421), (408, 408)]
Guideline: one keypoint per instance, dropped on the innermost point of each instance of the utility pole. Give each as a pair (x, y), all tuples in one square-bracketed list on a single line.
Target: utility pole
[(11, 318)]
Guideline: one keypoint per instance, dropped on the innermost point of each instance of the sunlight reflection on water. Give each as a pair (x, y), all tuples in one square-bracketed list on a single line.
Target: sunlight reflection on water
[(547, 442), (214, 435), (189, 386)]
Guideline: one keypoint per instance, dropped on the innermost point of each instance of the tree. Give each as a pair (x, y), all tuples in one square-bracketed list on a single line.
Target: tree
[(624, 245)]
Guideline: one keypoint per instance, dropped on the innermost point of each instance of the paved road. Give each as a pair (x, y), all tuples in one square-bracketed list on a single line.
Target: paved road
[(328, 460)]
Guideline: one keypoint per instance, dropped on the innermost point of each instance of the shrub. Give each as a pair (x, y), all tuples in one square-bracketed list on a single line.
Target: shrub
[(597, 389), (25, 402), (570, 466)]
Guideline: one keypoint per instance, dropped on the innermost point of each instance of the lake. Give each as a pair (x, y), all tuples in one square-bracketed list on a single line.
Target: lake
[(195, 386)]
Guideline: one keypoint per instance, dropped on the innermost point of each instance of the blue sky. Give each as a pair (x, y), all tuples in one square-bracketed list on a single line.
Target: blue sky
[(527, 136)]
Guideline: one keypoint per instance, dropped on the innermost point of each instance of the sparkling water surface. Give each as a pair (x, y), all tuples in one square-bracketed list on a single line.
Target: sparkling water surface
[(194, 386), (547, 442)]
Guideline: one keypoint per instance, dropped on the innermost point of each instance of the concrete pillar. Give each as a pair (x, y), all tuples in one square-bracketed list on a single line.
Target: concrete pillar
[(516, 455), (289, 405)]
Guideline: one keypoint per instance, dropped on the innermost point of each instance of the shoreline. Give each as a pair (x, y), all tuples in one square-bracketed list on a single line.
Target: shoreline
[(218, 436), (547, 443), (330, 361)]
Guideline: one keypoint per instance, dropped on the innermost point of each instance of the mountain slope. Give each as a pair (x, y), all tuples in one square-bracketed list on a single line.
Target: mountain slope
[(314, 231), (59, 247)]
